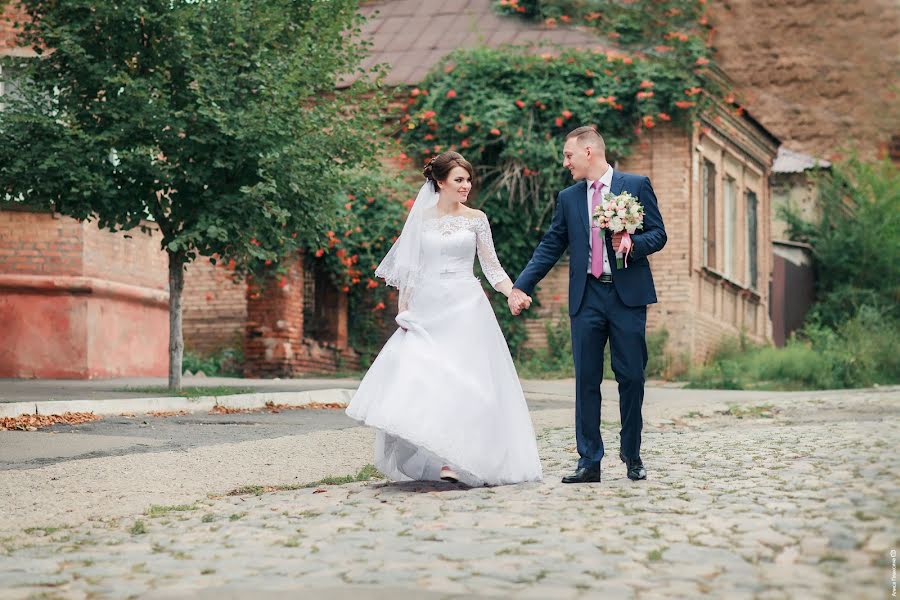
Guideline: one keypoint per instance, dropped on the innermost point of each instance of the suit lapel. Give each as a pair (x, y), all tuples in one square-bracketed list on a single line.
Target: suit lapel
[(615, 186)]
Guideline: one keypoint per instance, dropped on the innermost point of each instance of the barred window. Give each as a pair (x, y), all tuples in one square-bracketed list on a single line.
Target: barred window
[(708, 176), (729, 231), (310, 317), (752, 245)]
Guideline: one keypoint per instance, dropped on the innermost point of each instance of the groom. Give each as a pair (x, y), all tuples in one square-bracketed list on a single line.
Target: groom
[(604, 302)]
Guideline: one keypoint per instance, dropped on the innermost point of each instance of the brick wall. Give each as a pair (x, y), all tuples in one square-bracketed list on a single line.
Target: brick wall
[(10, 15), (664, 155), (44, 243), (78, 302), (135, 260), (215, 308), (274, 344), (39, 243), (274, 328)]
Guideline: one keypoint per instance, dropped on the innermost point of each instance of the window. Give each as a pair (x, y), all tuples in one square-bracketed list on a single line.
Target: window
[(752, 265), (728, 233), (8, 85), (311, 321), (708, 183)]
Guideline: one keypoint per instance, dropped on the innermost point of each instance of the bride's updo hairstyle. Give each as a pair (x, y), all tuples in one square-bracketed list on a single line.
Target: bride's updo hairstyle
[(439, 167)]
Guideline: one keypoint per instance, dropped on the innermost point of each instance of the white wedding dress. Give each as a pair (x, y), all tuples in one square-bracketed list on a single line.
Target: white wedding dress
[(445, 391)]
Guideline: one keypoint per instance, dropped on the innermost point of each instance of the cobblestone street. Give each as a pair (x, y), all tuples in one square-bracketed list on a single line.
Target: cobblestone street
[(795, 497)]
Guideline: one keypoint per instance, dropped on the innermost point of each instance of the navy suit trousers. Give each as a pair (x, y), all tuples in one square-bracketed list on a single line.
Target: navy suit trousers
[(603, 316)]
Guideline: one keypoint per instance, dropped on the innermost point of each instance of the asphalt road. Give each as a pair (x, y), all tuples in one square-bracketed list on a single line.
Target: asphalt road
[(118, 436)]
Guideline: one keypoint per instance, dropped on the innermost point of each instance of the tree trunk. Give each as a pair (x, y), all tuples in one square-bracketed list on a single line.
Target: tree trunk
[(176, 340)]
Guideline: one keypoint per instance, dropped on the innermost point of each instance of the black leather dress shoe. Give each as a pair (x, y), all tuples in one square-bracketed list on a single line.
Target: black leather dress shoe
[(583, 475), (635, 467)]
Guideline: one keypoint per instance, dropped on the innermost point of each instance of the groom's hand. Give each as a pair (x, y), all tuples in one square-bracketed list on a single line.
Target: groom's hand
[(518, 301), (617, 239)]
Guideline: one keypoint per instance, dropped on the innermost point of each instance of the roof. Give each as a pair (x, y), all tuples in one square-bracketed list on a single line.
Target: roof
[(790, 161), (414, 35)]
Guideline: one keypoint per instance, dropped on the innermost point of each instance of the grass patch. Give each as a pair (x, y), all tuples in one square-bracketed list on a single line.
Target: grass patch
[(654, 555), (47, 530), (139, 528), (189, 392), (159, 511), (859, 352), (367, 473), (555, 360), (761, 411), (227, 362)]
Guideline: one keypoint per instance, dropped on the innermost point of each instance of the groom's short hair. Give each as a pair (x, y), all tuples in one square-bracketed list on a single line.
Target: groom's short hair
[(587, 135)]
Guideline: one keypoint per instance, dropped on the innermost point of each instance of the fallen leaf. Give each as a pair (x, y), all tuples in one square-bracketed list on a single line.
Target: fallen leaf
[(271, 407), (34, 422)]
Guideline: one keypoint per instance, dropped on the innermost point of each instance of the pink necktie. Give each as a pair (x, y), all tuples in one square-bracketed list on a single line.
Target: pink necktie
[(597, 240)]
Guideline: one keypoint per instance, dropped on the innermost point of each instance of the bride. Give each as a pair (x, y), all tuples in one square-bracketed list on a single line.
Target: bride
[(443, 393)]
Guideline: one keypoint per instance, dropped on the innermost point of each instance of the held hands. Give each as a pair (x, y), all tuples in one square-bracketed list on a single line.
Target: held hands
[(518, 301), (403, 319)]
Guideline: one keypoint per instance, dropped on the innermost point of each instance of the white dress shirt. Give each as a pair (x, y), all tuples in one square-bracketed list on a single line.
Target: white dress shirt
[(606, 180)]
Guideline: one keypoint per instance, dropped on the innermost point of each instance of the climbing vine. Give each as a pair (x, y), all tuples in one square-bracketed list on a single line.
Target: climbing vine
[(675, 30), (508, 110), (366, 223)]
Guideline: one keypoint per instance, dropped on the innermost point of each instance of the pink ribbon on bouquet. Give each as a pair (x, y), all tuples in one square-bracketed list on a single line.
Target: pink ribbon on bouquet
[(625, 246)]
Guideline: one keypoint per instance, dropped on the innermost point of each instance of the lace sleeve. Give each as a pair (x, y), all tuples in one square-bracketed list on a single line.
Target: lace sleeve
[(404, 298), (487, 256)]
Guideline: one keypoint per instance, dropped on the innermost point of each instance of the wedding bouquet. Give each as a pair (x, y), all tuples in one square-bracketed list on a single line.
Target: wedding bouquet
[(617, 213)]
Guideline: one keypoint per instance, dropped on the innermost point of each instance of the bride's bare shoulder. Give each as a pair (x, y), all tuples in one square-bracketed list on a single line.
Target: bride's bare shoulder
[(473, 213)]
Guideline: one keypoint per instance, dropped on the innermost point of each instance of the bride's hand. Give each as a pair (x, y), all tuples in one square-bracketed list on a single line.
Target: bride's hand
[(402, 319), (518, 301)]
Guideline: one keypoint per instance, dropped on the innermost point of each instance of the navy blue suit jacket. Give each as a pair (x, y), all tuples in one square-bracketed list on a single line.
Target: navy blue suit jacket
[(570, 229)]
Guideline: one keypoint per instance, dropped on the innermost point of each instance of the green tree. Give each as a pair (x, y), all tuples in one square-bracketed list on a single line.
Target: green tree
[(856, 242), (217, 119)]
